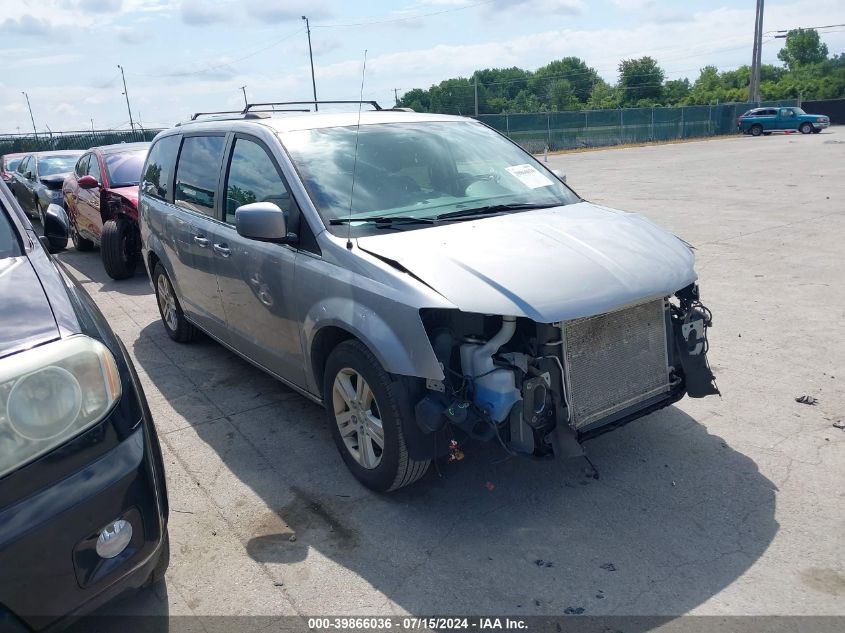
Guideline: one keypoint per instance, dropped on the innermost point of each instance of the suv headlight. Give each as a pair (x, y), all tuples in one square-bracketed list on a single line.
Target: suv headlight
[(50, 394)]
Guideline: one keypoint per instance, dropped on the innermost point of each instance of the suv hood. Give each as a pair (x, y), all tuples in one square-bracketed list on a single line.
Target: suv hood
[(28, 320), (548, 265)]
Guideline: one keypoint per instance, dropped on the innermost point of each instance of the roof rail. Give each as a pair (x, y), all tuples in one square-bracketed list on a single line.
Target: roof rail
[(248, 115), (250, 106)]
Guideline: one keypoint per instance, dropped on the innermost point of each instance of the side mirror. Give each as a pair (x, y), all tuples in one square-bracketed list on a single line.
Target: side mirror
[(560, 174), (28, 175), (56, 228), (88, 182), (263, 221)]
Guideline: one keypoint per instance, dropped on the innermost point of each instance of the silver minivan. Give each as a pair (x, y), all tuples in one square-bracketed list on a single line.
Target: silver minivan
[(422, 277)]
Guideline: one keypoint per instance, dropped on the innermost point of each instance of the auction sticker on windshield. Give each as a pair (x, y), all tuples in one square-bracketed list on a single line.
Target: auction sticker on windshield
[(529, 176)]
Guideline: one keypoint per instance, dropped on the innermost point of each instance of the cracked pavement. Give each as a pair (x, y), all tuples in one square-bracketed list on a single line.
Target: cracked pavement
[(723, 506)]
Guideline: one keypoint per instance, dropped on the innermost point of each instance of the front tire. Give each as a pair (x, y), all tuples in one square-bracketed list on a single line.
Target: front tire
[(364, 406), (177, 326), (806, 128), (119, 248), (756, 130)]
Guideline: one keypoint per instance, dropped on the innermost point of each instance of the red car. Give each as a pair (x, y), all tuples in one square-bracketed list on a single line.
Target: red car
[(8, 164), (101, 200)]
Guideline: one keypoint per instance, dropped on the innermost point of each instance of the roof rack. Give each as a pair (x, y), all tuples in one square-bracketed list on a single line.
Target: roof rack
[(249, 115), (285, 103)]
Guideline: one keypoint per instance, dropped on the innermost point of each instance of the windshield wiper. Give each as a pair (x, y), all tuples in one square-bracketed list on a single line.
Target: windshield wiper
[(492, 209), (383, 220)]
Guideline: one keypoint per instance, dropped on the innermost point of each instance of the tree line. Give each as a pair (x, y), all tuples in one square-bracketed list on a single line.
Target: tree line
[(808, 72)]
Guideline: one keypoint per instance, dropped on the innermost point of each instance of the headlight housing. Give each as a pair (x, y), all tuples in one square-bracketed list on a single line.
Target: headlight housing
[(50, 394)]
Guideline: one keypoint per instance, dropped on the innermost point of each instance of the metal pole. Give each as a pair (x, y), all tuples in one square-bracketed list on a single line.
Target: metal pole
[(476, 96), (396, 96), (759, 52), (246, 103), (751, 88), (652, 123), (126, 94), (31, 118), (311, 56)]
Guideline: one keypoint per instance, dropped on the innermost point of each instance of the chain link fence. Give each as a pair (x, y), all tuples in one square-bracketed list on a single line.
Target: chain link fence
[(597, 128), (20, 143)]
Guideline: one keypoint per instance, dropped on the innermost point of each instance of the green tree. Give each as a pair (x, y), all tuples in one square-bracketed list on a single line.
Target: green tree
[(803, 47), (675, 91), (418, 99), (640, 79), (580, 77)]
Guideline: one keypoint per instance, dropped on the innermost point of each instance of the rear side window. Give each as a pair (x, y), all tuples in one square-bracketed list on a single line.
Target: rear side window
[(82, 165), (161, 163), (253, 177), (197, 173)]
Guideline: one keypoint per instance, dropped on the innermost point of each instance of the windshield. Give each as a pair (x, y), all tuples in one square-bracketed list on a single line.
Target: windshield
[(11, 164), (124, 169), (417, 170), (50, 165)]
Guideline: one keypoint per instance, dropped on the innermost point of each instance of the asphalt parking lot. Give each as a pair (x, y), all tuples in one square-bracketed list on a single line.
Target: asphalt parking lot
[(730, 505)]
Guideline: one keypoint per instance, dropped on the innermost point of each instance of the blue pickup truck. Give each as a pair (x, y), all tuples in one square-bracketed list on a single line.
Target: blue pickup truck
[(767, 120)]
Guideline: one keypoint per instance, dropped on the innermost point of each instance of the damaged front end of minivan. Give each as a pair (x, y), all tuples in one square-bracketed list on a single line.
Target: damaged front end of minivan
[(543, 388)]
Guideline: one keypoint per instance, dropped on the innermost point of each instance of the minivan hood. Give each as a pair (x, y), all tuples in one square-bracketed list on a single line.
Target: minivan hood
[(548, 265), (28, 319)]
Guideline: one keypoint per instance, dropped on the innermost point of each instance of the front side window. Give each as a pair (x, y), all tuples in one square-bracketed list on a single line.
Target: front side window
[(253, 177), (51, 165), (197, 172), (24, 166), (161, 163), (124, 168), (417, 170), (9, 245)]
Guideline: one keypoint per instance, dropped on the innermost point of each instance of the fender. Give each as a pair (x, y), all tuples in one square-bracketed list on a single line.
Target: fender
[(405, 353)]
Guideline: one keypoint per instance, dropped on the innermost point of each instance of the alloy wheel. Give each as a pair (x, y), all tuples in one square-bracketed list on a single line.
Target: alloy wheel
[(358, 419), (167, 302)]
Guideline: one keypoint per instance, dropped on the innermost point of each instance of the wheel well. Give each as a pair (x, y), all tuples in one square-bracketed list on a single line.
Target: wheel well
[(152, 260), (324, 342)]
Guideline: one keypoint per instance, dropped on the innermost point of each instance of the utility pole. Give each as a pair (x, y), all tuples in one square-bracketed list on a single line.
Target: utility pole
[(396, 96), (246, 103), (31, 118), (476, 96), (311, 56), (756, 55), (126, 94)]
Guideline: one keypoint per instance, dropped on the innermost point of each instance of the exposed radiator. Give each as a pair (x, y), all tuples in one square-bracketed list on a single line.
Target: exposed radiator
[(614, 361)]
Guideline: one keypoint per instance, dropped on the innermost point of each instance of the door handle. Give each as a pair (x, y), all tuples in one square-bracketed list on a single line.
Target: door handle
[(222, 249), (202, 241)]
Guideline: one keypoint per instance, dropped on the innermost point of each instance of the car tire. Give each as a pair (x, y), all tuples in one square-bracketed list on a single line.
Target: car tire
[(767, 133), (79, 242), (119, 248), (756, 129), (177, 326), (806, 128), (377, 414)]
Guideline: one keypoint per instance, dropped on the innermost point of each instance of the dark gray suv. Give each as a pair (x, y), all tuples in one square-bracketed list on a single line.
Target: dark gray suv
[(423, 277)]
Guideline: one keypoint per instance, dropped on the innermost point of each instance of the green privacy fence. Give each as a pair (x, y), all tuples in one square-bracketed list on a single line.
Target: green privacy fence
[(14, 143), (596, 128)]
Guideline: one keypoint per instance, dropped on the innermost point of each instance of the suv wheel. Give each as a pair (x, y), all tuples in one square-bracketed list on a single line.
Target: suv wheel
[(756, 129), (119, 248), (363, 402), (174, 320), (806, 128)]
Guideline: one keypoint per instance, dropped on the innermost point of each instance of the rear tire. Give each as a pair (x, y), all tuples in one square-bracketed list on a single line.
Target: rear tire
[(806, 128), (756, 129), (79, 242), (177, 326), (119, 248), (366, 402)]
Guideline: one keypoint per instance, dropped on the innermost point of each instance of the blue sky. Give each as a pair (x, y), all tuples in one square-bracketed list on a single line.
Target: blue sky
[(189, 55)]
